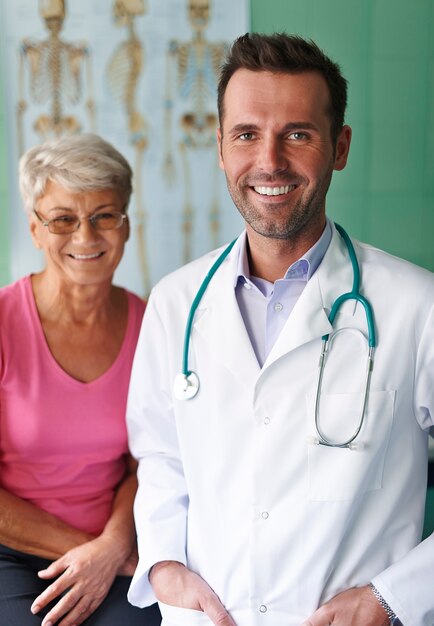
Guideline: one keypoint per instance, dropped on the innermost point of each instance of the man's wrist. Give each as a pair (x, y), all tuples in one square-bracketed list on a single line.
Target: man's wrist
[(389, 611), (160, 565)]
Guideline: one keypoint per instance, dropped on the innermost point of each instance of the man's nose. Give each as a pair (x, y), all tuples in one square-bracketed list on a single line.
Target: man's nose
[(272, 155)]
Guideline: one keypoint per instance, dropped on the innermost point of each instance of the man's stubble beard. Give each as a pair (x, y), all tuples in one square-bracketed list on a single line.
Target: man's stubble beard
[(288, 221)]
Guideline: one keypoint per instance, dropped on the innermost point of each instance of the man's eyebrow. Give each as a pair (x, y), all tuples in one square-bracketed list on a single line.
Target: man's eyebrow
[(248, 128), (296, 125), (243, 128)]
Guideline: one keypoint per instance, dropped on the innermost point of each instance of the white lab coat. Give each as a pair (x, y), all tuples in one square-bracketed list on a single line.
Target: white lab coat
[(228, 483)]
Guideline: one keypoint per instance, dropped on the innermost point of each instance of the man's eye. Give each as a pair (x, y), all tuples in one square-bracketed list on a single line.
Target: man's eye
[(246, 136), (298, 136)]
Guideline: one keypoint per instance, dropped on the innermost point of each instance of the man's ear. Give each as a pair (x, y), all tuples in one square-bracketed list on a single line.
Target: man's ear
[(219, 147), (342, 148)]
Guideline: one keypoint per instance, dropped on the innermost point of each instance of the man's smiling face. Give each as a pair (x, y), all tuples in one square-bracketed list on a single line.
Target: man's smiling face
[(277, 152)]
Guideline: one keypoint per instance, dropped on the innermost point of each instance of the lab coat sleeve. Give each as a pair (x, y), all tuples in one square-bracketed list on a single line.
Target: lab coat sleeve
[(161, 502), (407, 586)]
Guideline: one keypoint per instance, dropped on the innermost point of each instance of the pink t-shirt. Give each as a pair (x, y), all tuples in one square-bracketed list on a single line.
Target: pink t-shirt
[(62, 442)]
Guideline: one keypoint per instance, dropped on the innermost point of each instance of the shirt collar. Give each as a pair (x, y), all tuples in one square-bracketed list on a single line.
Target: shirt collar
[(302, 269)]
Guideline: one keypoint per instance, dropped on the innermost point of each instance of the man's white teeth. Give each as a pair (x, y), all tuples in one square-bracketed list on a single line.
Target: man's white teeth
[(83, 257), (274, 191)]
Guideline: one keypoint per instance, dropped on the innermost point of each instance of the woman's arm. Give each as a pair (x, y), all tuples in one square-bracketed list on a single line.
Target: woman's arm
[(85, 573), (25, 527), (120, 529)]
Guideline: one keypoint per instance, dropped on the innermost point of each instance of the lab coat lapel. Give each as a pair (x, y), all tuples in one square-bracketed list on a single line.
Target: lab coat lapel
[(220, 324), (309, 318)]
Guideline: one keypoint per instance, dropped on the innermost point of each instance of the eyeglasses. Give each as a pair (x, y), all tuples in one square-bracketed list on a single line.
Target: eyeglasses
[(67, 224)]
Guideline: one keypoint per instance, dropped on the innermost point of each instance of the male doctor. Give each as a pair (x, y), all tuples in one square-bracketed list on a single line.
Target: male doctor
[(244, 516)]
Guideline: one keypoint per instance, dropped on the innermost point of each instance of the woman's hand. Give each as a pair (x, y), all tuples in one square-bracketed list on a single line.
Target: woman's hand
[(84, 577)]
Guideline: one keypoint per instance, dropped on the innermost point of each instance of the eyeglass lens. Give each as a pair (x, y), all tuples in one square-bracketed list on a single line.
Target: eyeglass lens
[(101, 221)]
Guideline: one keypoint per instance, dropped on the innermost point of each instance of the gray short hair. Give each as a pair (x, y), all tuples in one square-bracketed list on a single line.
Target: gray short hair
[(78, 163)]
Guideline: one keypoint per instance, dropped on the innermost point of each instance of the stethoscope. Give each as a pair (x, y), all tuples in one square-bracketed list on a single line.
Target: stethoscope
[(186, 384)]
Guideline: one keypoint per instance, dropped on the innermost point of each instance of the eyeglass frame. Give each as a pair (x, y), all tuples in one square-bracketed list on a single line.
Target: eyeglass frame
[(92, 219)]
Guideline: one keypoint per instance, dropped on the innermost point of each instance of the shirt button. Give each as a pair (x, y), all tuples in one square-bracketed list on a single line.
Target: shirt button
[(267, 420), (265, 515), (247, 285), (263, 608), (278, 307)]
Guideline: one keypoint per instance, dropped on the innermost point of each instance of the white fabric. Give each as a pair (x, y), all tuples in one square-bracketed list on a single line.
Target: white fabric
[(228, 483)]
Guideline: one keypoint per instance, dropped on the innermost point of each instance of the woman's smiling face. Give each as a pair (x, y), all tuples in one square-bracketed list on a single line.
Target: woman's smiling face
[(86, 256)]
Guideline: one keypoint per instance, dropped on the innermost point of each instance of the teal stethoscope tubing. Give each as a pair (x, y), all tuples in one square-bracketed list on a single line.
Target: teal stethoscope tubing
[(198, 298), (187, 383), (354, 294)]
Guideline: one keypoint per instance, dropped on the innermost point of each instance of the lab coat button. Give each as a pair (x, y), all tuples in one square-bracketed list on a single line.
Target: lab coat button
[(264, 514), (267, 420), (263, 608), (278, 307)]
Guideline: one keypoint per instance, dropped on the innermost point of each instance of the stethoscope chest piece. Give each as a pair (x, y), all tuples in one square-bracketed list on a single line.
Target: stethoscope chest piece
[(185, 387)]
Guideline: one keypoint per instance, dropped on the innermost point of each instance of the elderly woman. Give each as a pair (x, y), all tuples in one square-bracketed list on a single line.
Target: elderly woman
[(67, 339)]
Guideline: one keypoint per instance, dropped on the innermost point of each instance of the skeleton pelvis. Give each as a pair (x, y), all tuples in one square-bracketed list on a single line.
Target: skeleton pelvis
[(199, 129), (47, 127)]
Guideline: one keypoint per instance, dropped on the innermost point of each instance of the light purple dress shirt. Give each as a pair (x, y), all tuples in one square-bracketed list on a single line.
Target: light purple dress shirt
[(264, 306)]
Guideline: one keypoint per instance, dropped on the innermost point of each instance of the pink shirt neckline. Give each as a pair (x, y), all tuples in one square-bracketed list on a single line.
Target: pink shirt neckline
[(54, 365)]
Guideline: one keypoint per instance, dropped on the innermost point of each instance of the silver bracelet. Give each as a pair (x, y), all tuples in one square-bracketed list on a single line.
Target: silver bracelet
[(390, 614)]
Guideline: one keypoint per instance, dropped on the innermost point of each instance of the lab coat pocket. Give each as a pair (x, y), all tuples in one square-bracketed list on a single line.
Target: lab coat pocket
[(174, 616), (340, 473)]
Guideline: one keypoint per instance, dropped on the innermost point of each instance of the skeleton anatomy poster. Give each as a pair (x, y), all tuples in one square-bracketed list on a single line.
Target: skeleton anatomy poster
[(142, 74)]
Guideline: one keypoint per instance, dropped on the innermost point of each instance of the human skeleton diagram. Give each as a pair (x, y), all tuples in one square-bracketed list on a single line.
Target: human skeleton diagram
[(123, 74), (196, 63), (55, 69)]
